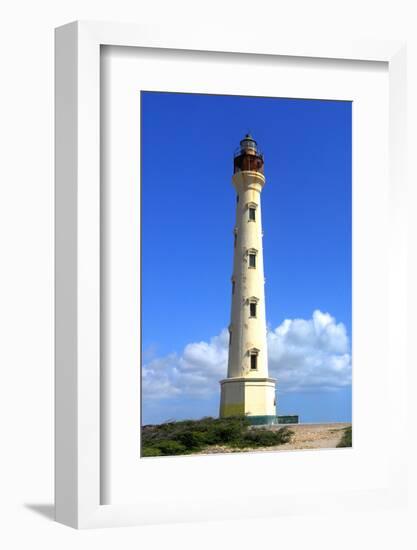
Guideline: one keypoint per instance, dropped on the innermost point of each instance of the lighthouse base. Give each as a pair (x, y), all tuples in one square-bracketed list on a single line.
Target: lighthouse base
[(251, 397), (263, 420)]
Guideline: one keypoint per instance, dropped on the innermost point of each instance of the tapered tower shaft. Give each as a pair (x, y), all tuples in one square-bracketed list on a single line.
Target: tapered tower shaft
[(248, 389)]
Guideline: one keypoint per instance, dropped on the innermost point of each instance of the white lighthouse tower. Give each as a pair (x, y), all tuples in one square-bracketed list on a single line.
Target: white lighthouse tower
[(248, 390)]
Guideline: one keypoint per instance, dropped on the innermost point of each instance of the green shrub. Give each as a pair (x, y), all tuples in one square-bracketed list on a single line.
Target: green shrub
[(346, 440), (188, 436), (169, 447), (226, 430), (191, 440), (262, 437), (151, 451)]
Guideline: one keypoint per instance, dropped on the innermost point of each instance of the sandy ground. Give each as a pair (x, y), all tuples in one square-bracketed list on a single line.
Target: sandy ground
[(306, 436)]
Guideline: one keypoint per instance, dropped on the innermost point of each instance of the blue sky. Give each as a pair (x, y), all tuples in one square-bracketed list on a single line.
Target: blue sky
[(188, 208)]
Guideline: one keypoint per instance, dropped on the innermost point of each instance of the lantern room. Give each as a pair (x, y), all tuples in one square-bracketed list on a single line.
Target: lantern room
[(248, 157)]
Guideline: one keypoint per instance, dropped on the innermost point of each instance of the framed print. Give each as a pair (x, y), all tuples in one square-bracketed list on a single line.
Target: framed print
[(209, 336)]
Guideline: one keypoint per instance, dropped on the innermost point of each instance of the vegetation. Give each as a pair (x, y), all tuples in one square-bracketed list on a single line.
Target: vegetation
[(191, 436), (346, 440)]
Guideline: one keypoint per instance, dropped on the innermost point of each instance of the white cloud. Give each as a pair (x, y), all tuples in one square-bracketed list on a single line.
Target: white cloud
[(310, 354), (304, 355)]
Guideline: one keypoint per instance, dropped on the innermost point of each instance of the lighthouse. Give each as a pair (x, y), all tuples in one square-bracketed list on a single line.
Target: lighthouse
[(248, 390)]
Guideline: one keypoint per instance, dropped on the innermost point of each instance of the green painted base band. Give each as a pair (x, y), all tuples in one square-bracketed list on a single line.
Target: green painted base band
[(262, 420), (288, 419), (272, 419)]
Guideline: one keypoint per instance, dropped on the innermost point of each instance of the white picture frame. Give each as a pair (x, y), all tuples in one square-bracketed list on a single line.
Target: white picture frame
[(78, 259)]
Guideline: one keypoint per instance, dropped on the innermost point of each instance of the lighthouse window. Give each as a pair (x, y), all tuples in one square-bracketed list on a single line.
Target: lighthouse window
[(252, 309), (252, 260), (252, 214), (253, 361), (233, 287), (235, 241)]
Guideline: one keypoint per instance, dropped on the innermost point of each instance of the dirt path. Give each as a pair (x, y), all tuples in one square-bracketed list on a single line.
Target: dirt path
[(306, 436), (314, 436)]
